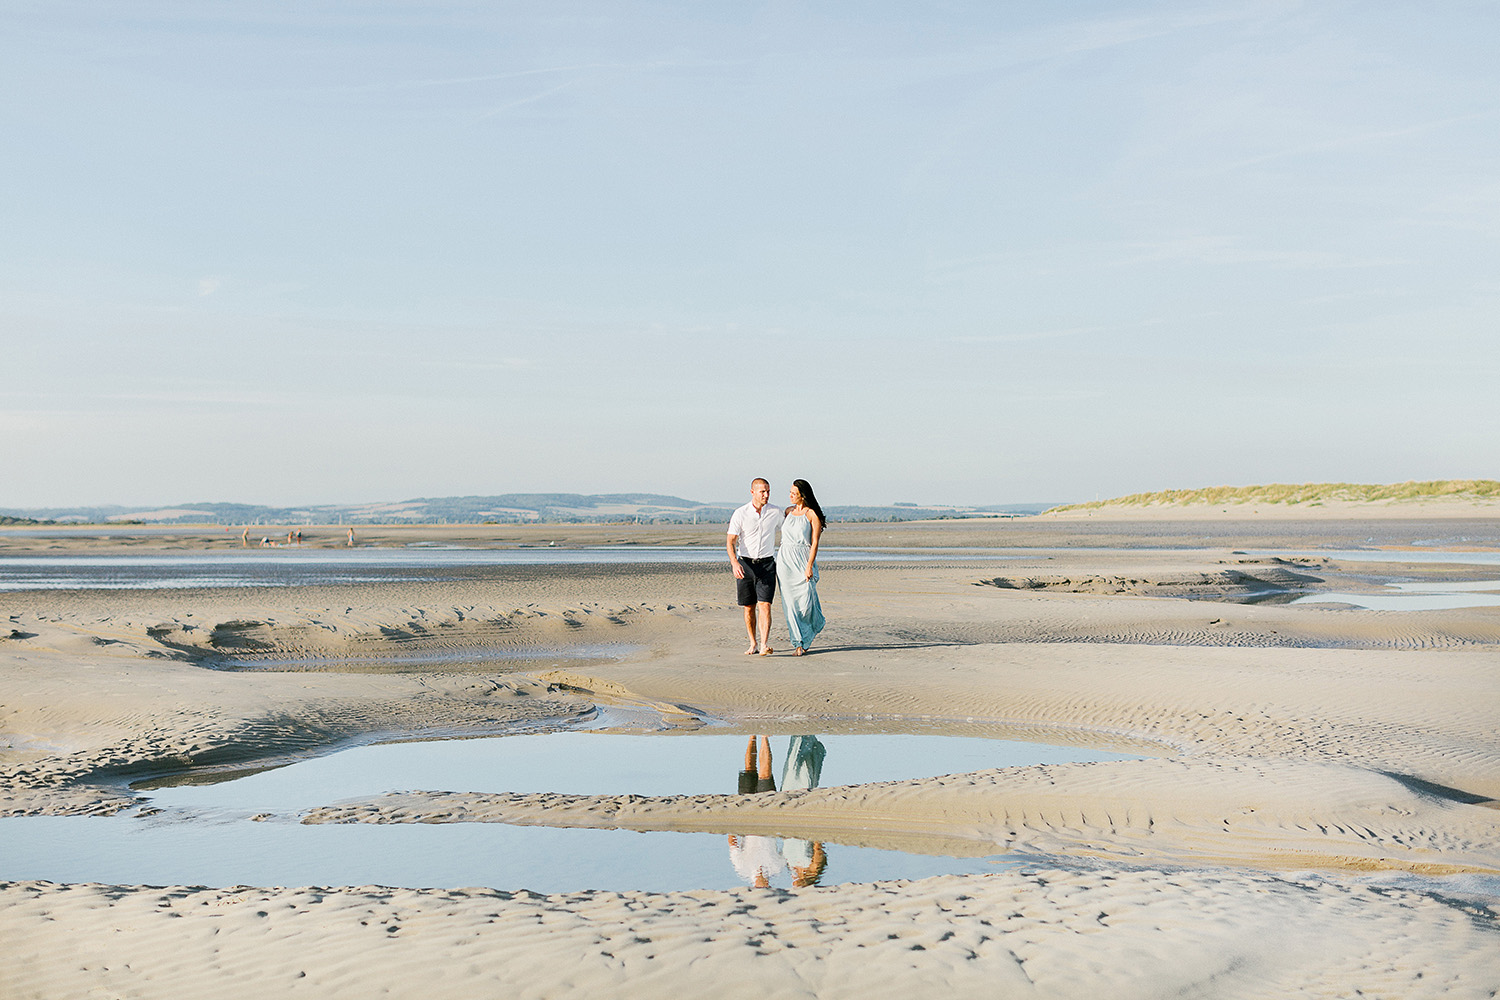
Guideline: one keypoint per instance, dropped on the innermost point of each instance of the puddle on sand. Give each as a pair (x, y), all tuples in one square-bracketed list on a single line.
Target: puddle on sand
[(158, 851), (593, 763), (1416, 597), (1396, 594), (245, 831), (1395, 597), (1409, 556)]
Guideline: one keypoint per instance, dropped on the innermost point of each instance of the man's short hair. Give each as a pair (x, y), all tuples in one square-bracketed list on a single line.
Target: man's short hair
[(766, 481)]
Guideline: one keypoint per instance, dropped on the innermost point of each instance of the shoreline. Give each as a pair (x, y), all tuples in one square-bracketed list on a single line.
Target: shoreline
[(1337, 524)]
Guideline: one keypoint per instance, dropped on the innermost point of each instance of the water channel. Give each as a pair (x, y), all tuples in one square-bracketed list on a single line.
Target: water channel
[(293, 567)]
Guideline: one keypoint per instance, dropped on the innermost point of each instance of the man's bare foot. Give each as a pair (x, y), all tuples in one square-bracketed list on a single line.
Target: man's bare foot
[(767, 651), (798, 651), (752, 650)]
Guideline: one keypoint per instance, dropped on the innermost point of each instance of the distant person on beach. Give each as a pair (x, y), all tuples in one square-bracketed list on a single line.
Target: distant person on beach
[(351, 538), (752, 557), (797, 566)]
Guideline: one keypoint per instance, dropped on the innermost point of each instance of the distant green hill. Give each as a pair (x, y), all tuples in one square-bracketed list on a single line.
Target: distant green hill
[(507, 508), (1306, 493)]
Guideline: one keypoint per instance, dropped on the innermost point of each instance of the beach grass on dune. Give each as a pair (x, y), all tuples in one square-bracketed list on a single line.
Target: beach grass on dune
[(1305, 493)]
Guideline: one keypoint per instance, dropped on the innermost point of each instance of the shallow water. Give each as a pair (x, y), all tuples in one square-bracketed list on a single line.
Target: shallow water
[(596, 763), (1416, 597), (1406, 556), (246, 831), (162, 850), (293, 567)]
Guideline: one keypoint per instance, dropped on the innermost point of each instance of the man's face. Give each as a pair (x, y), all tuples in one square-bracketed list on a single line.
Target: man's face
[(760, 492)]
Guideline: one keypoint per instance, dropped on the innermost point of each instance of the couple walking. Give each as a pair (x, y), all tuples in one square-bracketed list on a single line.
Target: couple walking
[(759, 565)]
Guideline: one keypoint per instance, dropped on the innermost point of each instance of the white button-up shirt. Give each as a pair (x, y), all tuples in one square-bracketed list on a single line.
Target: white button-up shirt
[(756, 531)]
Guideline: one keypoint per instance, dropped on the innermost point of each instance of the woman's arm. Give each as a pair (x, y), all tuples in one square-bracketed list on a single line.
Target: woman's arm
[(817, 530)]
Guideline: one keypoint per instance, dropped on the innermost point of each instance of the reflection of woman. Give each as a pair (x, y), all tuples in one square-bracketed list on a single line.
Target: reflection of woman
[(760, 859), (803, 768), (797, 567)]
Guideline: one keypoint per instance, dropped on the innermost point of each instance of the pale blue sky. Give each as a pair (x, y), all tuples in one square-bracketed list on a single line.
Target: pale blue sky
[(949, 252)]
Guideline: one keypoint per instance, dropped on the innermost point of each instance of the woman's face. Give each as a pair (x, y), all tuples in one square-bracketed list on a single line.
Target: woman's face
[(795, 495)]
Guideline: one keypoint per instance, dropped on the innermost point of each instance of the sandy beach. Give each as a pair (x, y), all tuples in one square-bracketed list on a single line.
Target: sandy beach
[(1314, 809)]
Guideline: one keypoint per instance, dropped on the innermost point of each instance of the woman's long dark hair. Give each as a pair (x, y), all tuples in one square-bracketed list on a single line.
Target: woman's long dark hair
[(810, 501)]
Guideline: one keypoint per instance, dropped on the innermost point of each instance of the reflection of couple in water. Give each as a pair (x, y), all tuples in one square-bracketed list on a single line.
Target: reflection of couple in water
[(760, 859), (759, 565)]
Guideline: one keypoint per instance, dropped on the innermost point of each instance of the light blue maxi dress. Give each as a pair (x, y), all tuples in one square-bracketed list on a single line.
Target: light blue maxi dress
[(803, 768), (799, 596)]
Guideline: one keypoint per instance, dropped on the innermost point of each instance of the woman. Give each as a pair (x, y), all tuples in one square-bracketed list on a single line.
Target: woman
[(797, 566)]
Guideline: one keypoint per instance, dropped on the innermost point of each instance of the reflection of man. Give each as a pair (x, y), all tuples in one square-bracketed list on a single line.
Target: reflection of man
[(756, 777), (755, 858), (752, 557), (760, 859)]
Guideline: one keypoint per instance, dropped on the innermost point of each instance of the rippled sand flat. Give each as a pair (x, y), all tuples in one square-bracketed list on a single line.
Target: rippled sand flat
[(1318, 818)]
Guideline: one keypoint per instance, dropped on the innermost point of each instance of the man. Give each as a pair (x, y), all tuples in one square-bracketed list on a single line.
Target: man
[(752, 556)]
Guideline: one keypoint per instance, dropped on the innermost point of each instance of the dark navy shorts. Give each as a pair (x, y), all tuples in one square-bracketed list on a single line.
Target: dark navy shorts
[(758, 586)]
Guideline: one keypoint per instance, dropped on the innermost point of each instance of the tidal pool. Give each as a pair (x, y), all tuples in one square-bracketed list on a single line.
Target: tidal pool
[(246, 831), (1414, 556), (1415, 596)]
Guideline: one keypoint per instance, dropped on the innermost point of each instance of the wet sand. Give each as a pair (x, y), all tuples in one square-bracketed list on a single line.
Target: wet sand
[(1317, 815)]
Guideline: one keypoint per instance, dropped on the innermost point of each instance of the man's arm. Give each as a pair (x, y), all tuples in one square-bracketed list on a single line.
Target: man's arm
[(734, 559)]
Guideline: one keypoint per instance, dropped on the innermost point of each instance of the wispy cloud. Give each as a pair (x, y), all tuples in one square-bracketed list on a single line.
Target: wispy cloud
[(1067, 39), (956, 269), (1059, 333), (457, 81), (1350, 140), (521, 102), (464, 364), (1111, 32), (627, 66), (74, 401), (1024, 336), (1224, 250)]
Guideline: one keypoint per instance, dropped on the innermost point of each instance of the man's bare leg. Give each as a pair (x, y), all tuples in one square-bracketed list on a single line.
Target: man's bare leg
[(750, 628), (763, 619)]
